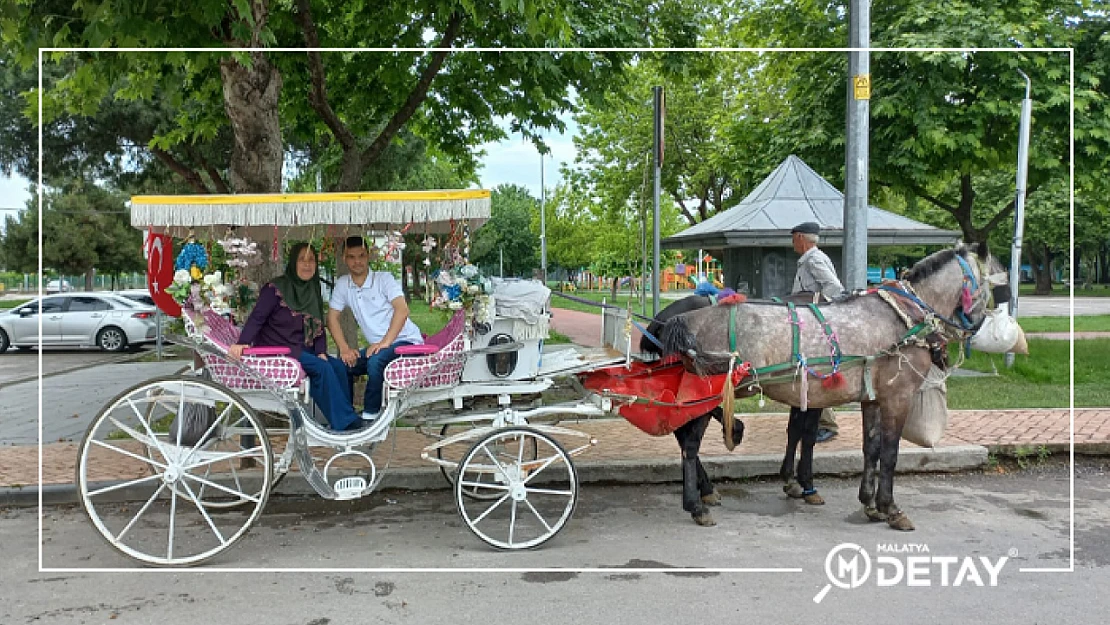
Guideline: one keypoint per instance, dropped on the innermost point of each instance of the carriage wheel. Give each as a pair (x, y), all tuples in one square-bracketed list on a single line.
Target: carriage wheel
[(521, 503), (237, 469), (451, 453), (174, 489)]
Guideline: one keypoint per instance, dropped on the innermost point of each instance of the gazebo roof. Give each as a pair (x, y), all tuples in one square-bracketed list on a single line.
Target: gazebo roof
[(793, 194)]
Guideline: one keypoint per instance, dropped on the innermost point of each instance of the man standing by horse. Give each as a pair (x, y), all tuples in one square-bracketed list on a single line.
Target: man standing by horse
[(816, 274)]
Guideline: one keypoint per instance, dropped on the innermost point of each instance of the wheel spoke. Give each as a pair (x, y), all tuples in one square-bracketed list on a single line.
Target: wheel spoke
[(546, 463), (538, 516), (227, 490), (512, 522), (204, 437), (496, 463), (173, 514), (548, 491), (129, 454), (491, 508), (138, 514), (108, 489), (488, 485), (146, 426), (203, 512), (228, 456)]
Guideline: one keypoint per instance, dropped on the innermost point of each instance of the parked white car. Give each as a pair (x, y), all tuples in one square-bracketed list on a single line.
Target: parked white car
[(58, 286), (107, 321), (139, 295)]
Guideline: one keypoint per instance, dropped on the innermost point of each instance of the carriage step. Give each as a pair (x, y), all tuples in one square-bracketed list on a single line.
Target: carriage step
[(349, 488)]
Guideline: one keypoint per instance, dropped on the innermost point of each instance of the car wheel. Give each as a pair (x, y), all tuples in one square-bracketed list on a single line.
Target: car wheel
[(111, 339), (3, 342)]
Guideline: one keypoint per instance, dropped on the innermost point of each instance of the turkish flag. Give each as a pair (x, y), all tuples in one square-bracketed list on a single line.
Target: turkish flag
[(158, 250)]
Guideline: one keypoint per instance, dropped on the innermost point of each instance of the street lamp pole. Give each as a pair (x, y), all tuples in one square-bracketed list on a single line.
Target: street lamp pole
[(543, 225)]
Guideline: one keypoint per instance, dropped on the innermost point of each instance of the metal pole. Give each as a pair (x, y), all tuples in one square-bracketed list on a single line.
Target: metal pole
[(1019, 202), (856, 158), (658, 143), (502, 248), (543, 226), (158, 336)]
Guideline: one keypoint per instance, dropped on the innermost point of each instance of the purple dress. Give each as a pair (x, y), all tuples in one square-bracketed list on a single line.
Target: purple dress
[(273, 324)]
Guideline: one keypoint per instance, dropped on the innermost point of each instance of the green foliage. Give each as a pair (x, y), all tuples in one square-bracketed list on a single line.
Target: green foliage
[(508, 231), (84, 227)]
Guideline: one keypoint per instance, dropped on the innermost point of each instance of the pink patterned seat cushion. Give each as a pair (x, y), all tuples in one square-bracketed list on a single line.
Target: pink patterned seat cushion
[(443, 367), (271, 363)]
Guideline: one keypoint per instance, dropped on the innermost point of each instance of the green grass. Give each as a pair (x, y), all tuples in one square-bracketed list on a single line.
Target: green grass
[(1061, 290), (1039, 380), (12, 303), (1083, 323)]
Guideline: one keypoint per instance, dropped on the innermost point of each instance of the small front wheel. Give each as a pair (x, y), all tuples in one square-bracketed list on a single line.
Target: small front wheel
[(511, 500)]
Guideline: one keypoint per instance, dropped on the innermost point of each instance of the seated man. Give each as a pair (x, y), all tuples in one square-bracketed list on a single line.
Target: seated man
[(379, 306)]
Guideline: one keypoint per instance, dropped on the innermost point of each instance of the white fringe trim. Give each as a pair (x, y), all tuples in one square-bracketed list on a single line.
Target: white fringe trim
[(300, 220)]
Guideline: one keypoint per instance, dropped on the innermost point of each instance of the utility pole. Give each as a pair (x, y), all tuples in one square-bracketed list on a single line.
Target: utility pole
[(856, 166), (658, 151), (1019, 202), (543, 226)]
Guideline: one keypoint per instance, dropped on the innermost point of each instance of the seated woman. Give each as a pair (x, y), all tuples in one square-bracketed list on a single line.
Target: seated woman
[(290, 313)]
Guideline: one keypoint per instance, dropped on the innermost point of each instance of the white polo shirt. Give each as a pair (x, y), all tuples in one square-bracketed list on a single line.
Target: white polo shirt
[(372, 305)]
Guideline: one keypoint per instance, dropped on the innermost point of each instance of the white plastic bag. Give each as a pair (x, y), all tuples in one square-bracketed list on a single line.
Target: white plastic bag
[(928, 411), (999, 332)]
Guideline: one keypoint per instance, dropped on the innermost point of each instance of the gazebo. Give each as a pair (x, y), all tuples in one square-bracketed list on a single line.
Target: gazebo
[(753, 238)]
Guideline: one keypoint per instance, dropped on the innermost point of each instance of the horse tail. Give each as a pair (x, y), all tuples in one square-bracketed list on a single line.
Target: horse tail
[(677, 337)]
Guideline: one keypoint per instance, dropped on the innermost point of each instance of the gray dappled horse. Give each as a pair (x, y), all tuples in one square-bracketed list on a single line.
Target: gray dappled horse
[(948, 291)]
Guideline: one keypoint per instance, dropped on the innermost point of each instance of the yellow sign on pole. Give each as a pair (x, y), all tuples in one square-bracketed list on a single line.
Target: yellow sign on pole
[(862, 84)]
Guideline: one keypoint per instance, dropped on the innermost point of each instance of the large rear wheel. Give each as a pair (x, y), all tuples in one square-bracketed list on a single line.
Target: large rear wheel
[(155, 491)]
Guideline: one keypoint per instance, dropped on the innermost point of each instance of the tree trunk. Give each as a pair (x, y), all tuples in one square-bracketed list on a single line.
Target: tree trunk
[(251, 101), (1042, 275)]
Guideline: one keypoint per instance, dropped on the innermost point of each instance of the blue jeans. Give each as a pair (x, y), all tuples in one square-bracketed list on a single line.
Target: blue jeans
[(373, 368), (328, 388)]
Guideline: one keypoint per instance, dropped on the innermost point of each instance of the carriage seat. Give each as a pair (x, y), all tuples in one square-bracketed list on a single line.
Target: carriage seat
[(438, 362), (272, 363)]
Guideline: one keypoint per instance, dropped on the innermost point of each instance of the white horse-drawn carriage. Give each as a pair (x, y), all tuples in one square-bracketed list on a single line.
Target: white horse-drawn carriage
[(198, 454)]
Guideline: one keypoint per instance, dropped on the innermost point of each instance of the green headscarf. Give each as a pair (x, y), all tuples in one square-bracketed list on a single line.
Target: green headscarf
[(303, 296)]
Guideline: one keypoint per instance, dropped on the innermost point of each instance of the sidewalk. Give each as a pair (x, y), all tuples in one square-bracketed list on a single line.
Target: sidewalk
[(625, 454)]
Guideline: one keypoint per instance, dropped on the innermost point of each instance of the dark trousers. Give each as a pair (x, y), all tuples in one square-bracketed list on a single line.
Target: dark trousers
[(373, 367), (329, 389)]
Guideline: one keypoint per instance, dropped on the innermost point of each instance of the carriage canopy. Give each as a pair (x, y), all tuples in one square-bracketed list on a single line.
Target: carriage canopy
[(302, 215)]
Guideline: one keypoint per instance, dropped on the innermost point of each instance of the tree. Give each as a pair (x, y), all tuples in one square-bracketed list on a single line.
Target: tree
[(84, 228), (940, 122), (359, 102), (508, 232)]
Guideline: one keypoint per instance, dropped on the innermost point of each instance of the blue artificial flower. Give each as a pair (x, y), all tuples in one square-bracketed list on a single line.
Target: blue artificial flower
[(191, 254)]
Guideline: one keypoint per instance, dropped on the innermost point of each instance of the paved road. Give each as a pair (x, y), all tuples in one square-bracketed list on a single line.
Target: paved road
[(614, 529), (18, 366), (70, 400)]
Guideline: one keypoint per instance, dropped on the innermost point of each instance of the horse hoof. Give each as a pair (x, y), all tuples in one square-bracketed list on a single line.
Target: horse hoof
[(873, 514), (712, 499), (900, 521), (793, 490), (705, 519), (814, 499)]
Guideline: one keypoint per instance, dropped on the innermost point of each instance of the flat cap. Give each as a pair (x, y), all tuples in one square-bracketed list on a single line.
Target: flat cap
[(807, 227)]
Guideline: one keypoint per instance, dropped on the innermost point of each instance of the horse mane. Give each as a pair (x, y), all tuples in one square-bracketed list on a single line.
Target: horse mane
[(934, 262), (676, 336)]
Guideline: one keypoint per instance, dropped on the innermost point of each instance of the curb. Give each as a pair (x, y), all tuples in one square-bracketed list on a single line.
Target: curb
[(646, 471)]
